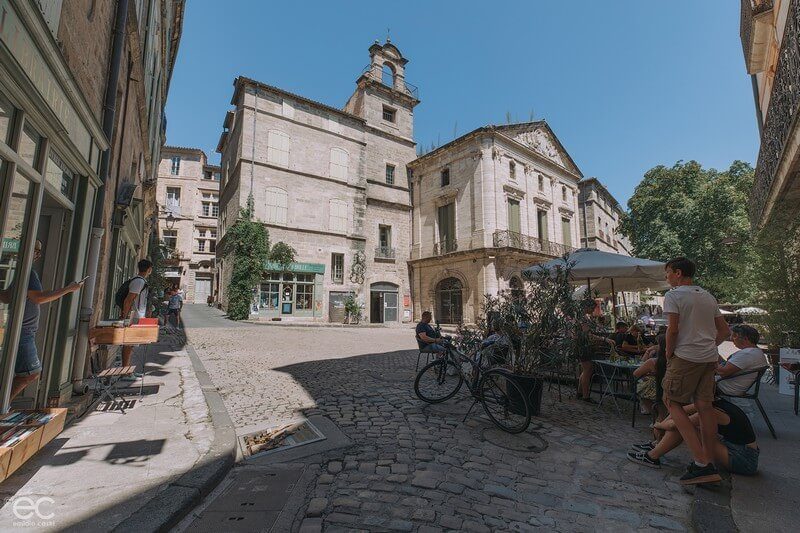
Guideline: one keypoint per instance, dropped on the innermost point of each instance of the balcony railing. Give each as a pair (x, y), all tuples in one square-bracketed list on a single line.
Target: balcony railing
[(512, 239), (752, 11), (445, 247), (384, 252), (376, 73), (780, 116)]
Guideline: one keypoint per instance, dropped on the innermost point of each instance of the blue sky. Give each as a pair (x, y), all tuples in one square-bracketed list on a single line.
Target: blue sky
[(625, 84)]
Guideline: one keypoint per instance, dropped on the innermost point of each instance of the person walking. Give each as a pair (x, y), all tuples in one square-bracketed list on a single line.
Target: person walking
[(135, 306), (28, 367), (174, 306), (694, 330)]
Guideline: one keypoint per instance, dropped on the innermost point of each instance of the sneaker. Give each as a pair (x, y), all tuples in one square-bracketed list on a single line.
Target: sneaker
[(132, 377), (643, 447), (700, 474), (643, 459)]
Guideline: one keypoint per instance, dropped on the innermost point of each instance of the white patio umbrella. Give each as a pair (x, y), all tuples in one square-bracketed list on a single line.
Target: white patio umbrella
[(606, 272)]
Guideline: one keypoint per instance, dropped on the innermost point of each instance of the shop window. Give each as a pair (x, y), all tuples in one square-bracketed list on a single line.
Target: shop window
[(277, 202), (278, 148), (304, 295), (6, 119), (29, 144), (337, 268), (175, 167), (58, 175), (269, 295), (390, 174)]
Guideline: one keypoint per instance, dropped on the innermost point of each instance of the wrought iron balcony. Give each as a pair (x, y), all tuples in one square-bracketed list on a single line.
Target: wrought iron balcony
[(780, 116), (384, 252), (754, 26), (445, 247), (512, 239), (374, 72)]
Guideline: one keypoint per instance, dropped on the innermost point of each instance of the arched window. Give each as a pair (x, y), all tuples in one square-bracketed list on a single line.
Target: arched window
[(387, 74), (277, 205), (278, 148), (340, 161), (337, 216)]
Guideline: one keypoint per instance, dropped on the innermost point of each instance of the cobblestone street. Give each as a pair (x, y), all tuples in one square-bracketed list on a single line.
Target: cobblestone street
[(419, 467)]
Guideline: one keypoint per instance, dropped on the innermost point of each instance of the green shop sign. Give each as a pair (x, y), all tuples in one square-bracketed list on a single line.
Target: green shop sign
[(302, 268), (11, 245)]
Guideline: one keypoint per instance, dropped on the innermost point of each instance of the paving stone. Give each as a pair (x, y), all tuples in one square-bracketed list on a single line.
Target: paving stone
[(316, 506), (311, 525), (334, 467), (450, 522), (424, 515), (426, 479), (662, 522), (400, 525)]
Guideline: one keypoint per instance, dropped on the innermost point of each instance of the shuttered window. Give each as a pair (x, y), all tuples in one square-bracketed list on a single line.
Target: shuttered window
[(513, 216), (566, 232), (278, 148), (277, 205), (337, 221), (340, 161)]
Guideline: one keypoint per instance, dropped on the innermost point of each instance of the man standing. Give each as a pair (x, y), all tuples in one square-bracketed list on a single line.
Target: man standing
[(28, 367), (695, 329), (174, 306), (135, 306)]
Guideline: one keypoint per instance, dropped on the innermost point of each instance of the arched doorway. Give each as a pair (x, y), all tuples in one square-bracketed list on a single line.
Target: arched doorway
[(449, 301), (383, 302)]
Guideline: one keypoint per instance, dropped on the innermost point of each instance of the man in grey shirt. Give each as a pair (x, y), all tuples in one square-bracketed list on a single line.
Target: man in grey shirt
[(136, 305)]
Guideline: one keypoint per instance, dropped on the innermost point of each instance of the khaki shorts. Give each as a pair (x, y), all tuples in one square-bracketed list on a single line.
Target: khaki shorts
[(686, 381)]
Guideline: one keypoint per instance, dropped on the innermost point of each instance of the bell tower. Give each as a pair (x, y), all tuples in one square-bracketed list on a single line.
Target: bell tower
[(383, 97)]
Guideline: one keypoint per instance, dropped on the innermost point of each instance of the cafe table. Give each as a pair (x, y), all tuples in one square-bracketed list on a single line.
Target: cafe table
[(615, 373)]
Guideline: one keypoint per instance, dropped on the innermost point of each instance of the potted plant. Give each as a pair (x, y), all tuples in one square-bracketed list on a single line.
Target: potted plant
[(541, 325)]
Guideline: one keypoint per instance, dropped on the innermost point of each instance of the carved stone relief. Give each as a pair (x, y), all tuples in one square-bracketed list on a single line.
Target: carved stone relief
[(541, 142)]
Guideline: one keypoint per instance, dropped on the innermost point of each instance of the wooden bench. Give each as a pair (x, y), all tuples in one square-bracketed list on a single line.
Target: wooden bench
[(108, 377)]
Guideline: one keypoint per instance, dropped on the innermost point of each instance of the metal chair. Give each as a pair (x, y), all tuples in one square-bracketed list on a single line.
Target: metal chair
[(427, 353), (751, 393)]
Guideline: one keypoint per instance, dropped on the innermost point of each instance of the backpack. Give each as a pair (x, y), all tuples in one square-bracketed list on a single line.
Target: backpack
[(124, 289)]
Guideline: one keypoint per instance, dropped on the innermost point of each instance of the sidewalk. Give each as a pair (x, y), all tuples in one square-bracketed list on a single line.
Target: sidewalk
[(108, 469), (770, 501)]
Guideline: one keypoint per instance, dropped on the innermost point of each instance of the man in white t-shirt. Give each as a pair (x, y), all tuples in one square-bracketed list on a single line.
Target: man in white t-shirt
[(136, 304), (749, 357), (695, 329)]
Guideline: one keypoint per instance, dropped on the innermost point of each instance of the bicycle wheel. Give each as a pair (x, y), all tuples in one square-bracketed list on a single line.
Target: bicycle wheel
[(438, 381), (504, 401)]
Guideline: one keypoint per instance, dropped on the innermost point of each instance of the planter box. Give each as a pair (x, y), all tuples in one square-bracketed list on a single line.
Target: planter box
[(532, 388)]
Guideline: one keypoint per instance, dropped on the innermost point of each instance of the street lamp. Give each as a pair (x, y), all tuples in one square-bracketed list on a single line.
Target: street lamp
[(170, 220)]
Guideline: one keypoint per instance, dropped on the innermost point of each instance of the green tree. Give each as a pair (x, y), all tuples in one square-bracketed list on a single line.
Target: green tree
[(778, 282), (283, 254), (701, 214), (247, 247)]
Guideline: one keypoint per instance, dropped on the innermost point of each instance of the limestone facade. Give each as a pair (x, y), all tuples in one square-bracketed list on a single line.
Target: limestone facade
[(332, 183), (600, 217), (487, 205), (188, 189)]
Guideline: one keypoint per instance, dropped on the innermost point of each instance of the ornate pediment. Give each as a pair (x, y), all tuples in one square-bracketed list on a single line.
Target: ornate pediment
[(541, 142)]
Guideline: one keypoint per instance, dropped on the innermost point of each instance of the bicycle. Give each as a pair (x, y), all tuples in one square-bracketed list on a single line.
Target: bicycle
[(502, 398)]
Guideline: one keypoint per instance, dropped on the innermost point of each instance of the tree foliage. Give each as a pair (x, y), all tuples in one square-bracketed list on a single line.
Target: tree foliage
[(247, 247), (778, 282), (283, 254), (701, 214)]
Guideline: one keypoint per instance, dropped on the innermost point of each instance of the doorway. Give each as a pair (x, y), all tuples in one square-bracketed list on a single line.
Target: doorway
[(383, 302), (449, 299), (202, 289)]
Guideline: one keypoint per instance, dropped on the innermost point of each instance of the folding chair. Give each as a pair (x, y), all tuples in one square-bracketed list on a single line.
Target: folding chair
[(106, 379), (751, 393)]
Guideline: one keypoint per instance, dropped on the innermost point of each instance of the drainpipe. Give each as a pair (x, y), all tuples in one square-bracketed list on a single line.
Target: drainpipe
[(759, 115), (109, 114)]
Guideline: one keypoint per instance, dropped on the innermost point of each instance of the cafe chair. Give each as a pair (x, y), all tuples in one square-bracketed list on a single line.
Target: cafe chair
[(751, 393)]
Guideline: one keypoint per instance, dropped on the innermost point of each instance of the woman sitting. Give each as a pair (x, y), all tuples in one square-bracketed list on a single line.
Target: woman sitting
[(650, 374)]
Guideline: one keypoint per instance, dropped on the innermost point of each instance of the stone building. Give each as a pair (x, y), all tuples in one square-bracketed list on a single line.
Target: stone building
[(77, 151), (487, 205), (188, 201), (330, 182), (770, 32), (600, 216)]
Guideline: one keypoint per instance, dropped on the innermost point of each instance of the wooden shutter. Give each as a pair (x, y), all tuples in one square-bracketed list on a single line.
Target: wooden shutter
[(513, 216)]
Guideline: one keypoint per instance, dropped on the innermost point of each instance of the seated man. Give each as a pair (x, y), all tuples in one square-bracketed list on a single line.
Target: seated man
[(749, 357), (736, 450), (632, 343), (620, 331), (427, 338)]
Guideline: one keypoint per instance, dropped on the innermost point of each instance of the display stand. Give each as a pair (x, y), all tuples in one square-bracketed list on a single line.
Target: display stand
[(24, 433)]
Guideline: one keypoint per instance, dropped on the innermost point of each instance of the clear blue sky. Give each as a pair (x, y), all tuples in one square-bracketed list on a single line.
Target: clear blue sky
[(625, 84)]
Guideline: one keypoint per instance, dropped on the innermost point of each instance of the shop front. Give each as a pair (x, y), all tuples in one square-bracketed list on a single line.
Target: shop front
[(291, 292), (50, 146)]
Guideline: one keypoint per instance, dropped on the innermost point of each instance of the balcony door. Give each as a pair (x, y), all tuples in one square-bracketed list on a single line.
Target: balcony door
[(513, 216), (447, 226)]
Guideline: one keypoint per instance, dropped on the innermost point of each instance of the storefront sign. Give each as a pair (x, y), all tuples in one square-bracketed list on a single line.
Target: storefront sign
[(23, 48), (10, 246), (298, 268)]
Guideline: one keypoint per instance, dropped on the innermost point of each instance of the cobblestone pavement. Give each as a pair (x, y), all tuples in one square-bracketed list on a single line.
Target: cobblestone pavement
[(419, 467)]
